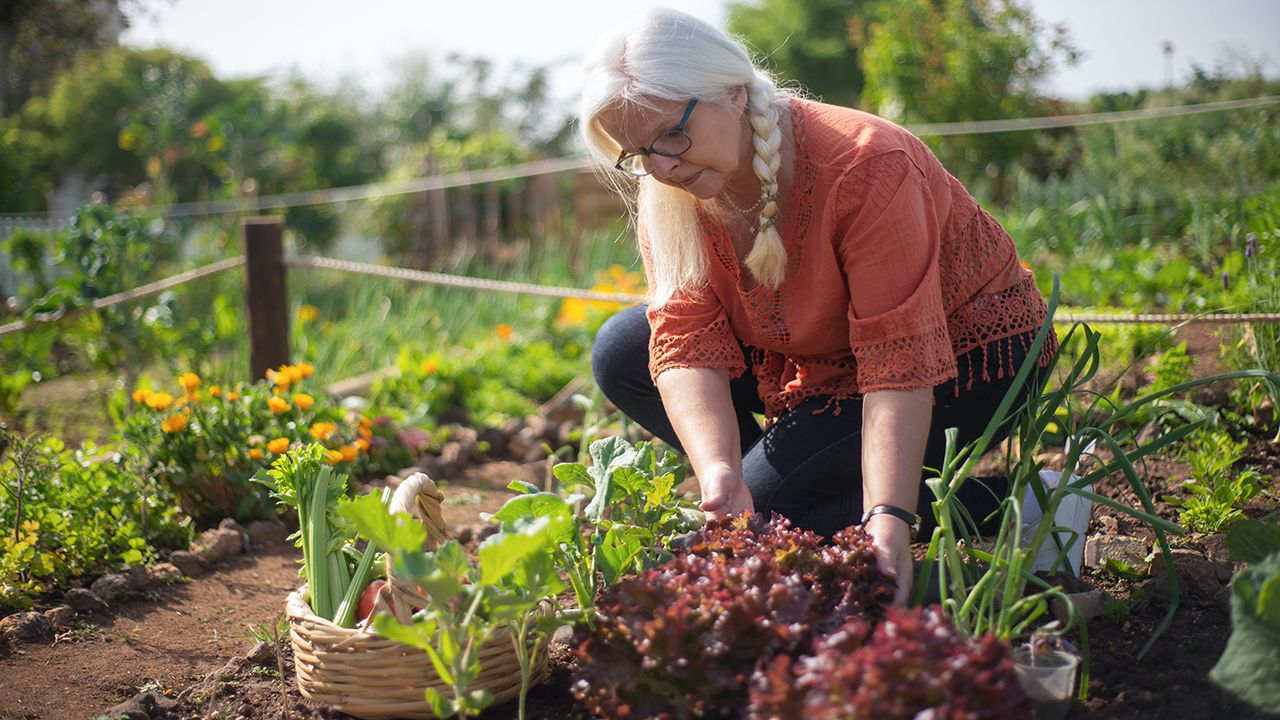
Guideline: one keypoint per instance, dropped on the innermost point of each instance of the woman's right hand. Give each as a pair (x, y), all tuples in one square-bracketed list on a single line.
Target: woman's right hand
[(723, 492)]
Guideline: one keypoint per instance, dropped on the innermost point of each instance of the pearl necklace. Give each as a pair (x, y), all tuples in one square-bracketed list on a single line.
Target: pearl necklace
[(754, 209)]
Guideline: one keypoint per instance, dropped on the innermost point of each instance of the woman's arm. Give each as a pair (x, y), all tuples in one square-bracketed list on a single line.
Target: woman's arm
[(698, 402), (895, 427)]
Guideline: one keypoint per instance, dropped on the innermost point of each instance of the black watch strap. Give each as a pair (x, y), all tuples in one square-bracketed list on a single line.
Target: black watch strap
[(906, 516)]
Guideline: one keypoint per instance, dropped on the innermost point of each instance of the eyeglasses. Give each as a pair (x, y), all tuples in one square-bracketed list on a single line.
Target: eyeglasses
[(671, 143)]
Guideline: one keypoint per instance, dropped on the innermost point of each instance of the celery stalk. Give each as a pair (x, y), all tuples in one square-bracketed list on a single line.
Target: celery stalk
[(345, 616)]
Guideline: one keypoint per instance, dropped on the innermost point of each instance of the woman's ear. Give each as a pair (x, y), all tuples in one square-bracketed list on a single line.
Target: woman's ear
[(739, 97)]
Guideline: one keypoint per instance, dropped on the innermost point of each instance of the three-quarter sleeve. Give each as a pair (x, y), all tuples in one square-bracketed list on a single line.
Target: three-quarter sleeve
[(691, 329), (889, 247)]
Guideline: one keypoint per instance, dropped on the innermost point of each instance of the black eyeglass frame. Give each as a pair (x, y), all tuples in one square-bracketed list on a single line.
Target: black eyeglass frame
[(645, 152)]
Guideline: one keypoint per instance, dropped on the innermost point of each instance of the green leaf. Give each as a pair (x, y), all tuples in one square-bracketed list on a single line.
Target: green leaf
[(532, 506), (619, 550), (392, 532), (630, 480), (441, 706), (521, 486), (479, 699), (572, 474), (1250, 541), (1247, 666), (500, 553), (419, 635)]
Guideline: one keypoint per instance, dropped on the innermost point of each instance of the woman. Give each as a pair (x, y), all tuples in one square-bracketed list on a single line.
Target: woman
[(808, 262)]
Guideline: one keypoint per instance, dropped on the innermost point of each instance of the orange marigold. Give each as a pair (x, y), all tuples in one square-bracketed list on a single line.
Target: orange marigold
[(305, 369), (255, 454), (332, 457), (174, 423), (322, 430), (505, 331), (189, 382), (279, 446), (361, 444), (140, 396), (303, 401), (277, 405), (348, 452), (159, 401)]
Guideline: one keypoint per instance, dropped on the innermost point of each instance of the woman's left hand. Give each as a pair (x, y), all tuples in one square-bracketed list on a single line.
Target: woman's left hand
[(892, 541)]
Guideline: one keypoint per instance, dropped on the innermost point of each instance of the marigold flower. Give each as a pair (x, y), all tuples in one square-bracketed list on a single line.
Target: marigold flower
[(303, 401), (279, 446), (277, 405), (159, 401), (348, 453), (215, 391), (332, 457), (307, 313), (361, 444), (233, 396), (189, 382), (429, 367), (322, 430), (505, 331), (174, 423), (255, 454), (305, 369)]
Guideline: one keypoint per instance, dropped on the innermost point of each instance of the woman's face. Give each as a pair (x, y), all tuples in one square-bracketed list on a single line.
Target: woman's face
[(720, 148)]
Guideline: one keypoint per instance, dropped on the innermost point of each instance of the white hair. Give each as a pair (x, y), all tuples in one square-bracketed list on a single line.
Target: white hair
[(668, 55)]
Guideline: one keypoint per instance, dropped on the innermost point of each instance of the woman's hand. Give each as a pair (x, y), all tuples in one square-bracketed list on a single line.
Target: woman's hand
[(723, 491), (892, 542)]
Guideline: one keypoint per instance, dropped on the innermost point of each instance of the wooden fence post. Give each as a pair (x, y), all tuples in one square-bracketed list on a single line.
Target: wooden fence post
[(265, 297)]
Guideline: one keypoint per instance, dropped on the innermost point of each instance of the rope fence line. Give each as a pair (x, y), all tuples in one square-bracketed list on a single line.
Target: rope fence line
[(523, 288), (126, 296), (542, 167)]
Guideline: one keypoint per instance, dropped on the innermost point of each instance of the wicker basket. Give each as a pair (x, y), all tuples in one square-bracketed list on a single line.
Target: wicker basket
[(369, 676)]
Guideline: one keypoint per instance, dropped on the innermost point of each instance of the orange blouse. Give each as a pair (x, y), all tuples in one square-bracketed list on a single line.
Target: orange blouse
[(893, 271)]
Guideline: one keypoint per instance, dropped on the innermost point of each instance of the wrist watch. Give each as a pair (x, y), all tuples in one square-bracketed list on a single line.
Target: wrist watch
[(906, 516)]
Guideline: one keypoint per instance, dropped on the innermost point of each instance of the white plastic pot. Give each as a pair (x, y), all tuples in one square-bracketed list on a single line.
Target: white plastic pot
[(1049, 679)]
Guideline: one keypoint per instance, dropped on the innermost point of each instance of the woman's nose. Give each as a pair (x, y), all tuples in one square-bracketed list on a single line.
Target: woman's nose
[(663, 166)]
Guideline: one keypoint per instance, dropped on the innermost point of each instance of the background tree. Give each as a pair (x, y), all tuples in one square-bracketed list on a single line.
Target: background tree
[(962, 60), (813, 42)]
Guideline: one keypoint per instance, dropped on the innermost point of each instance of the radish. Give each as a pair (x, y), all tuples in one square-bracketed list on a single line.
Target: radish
[(366, 601)]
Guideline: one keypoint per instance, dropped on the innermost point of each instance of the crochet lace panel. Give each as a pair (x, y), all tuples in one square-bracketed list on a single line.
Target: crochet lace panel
[(710, 346)]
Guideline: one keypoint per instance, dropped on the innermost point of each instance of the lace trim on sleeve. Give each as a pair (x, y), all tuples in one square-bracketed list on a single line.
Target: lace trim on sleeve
[(709, 346)]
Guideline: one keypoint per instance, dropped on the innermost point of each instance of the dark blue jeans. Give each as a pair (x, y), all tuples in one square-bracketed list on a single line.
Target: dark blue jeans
[(808, 467)]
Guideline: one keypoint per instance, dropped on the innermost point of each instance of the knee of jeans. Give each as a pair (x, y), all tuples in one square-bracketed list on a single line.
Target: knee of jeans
[(621, 349)]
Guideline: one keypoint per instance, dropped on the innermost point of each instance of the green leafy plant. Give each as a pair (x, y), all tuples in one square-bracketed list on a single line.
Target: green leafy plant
[(1217, 493), (985, 591), (1247, 666), (466, 602)]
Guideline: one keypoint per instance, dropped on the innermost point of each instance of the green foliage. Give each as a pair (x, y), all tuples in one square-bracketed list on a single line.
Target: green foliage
[(1217, 493), (1247, 666), (958, 60), (467, 602), (1251, 541), (82, 512), (1173, 367), (813, 43)]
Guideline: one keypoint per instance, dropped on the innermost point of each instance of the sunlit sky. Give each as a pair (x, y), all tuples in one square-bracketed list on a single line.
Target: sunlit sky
[(329, 40)]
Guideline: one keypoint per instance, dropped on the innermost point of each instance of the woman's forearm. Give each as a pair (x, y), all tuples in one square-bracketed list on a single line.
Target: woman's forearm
[(895, 427), (700, 408)]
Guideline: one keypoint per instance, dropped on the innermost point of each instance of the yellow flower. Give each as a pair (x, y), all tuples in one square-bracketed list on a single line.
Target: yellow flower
[(307, 313), (322, 430), (141, 395), (505, 331), (277, 405), (174, 423), (255, 454), (305, 369), (303, 401), (361, 444), (332, 457), (159, 401), (429, 367), (233, 396), (573, 311), (348, 453), (189, 382), (279, 446), (215, 391)]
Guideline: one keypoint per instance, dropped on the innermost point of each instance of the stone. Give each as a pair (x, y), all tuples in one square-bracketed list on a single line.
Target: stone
[(496, 440), (61, 617), (1129, 550), (267, 532), (113, 585), (191, 564), (563, 635), (142, 706), (139, 578), (84, 601), (230, 524), (217, 545), (1155, 590), (26, 626), (1193, 568), (165, 572), (1088, 605), (1215, 548)]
